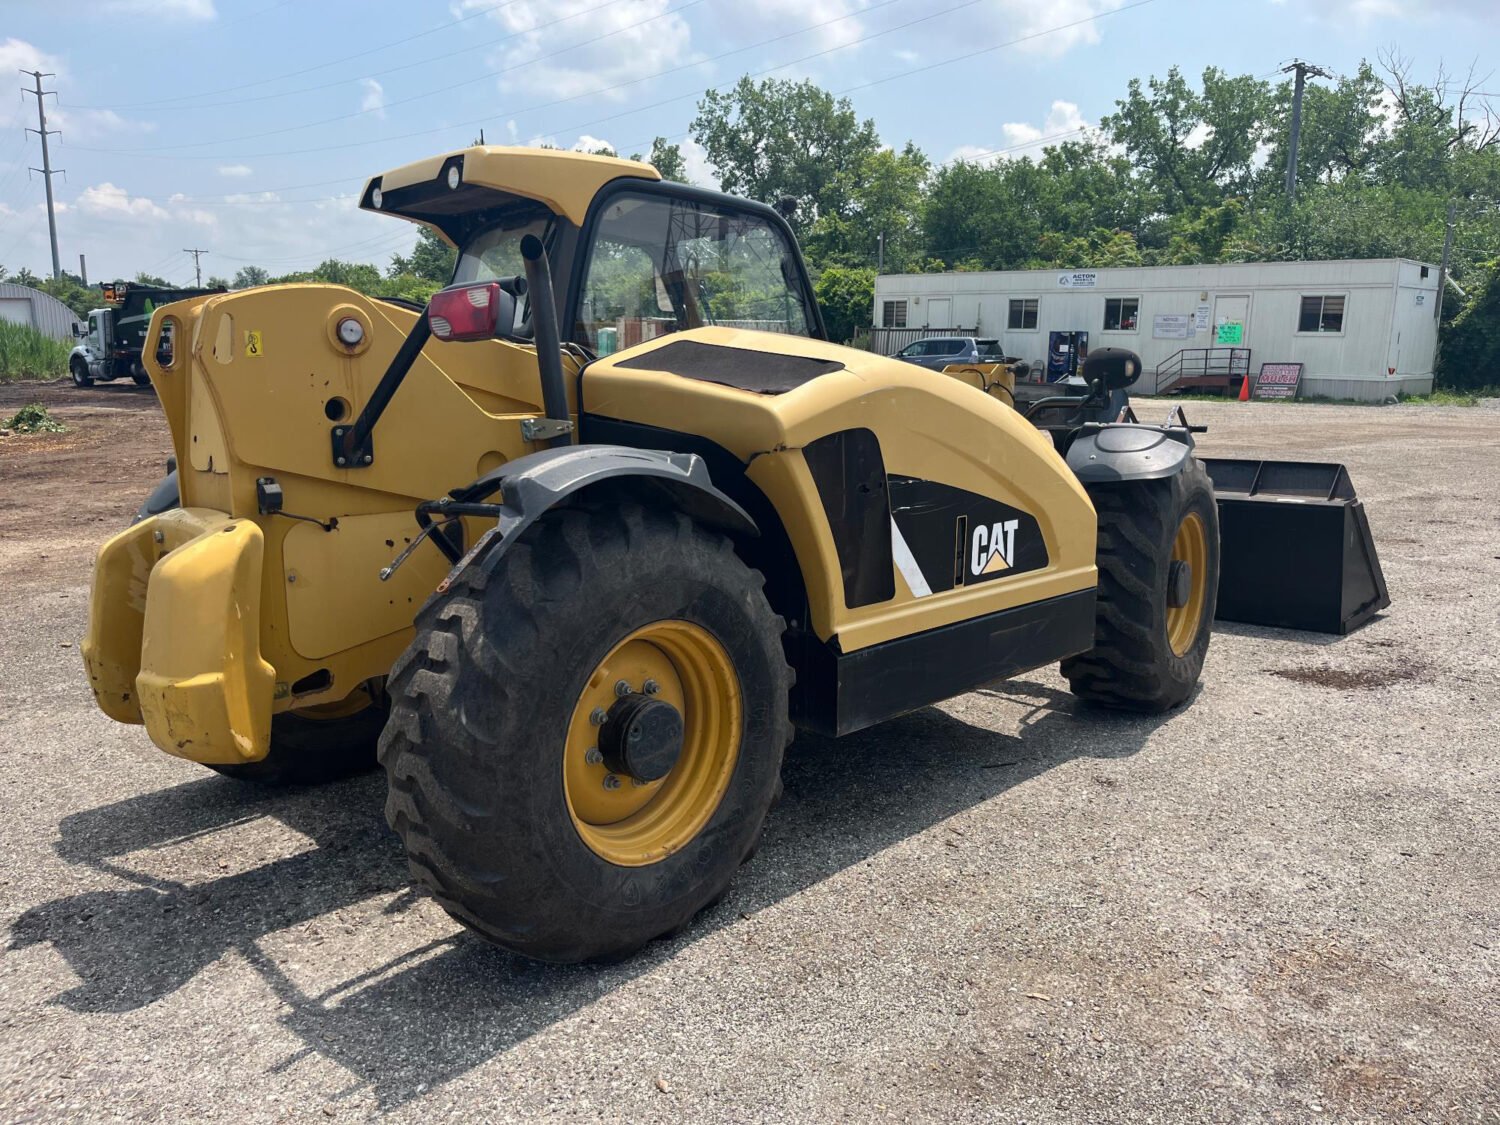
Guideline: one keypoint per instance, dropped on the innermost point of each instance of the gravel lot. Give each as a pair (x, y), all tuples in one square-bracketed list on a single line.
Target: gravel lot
[(1279, 903)]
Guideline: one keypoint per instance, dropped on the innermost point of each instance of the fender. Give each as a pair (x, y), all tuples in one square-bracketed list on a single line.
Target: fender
[(1113, 454), (530, 486)]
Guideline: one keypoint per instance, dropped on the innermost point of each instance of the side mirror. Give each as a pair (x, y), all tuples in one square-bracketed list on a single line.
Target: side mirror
[(480, 310), (1115, 368), (78, 331)]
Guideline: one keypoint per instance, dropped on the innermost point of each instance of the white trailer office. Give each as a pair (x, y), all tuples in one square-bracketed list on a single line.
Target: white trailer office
[(1363, 329)]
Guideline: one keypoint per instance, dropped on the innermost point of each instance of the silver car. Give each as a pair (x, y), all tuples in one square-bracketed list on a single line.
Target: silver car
[(937, 352)]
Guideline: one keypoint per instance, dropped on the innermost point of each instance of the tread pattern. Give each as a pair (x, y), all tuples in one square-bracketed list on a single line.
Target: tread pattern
[(1132, 666), (445, 800)]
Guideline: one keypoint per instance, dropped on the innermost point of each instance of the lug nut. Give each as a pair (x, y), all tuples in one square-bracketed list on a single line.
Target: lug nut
[(622, 688), (651, 687), (611, 781), (593, 757), (597, 716)]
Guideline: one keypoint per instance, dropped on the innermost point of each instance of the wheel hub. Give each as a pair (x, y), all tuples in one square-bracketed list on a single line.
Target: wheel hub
[(1179, 583), (641, 737)]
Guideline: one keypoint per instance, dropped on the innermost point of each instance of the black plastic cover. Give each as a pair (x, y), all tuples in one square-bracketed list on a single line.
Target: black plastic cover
[(767, 373)]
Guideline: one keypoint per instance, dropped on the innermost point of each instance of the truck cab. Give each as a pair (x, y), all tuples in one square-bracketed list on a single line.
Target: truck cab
[(98, 357)]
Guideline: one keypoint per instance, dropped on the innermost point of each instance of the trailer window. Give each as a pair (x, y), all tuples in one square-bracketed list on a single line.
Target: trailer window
[(1023, 314), (1321, 314), (893, 314), (1121, 313)]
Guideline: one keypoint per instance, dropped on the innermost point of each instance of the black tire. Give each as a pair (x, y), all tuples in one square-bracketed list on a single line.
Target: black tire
[(1133, 665), (482, 700), (79, 369), (309, 750), (141, 378)]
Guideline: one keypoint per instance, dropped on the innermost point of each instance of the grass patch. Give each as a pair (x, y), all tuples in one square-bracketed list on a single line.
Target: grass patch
[(1444, 397), (33, 419), (26, 353)]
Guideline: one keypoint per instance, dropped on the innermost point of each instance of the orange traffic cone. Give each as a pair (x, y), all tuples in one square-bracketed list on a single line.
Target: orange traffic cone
[(1245, 388)]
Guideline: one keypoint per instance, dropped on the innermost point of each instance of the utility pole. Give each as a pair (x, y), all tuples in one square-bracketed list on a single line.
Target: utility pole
[(83, 270), (1302, 70), (46, 169), (197, 263), (880, 253), (1437, 308)]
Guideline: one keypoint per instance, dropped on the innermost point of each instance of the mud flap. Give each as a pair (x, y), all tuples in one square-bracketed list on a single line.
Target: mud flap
[(1296, 546)]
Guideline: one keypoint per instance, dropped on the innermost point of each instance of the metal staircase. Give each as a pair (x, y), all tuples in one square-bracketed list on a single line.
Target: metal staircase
[(1203, 369)]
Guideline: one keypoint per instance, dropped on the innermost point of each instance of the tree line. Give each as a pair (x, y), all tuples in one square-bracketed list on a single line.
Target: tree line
[(1183, 171)]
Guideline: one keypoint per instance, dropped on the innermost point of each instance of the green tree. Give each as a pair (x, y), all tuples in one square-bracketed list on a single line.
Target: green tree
[(884, 197), (1469, 355), (71, 291), (777, 138), (431, 259), (216, 282), (847, 298), (667, 159), (152, 279), (248, 277), (1192, 147)]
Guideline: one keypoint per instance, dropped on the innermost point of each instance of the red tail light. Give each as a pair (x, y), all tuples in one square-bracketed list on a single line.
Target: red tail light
[(465, 312)]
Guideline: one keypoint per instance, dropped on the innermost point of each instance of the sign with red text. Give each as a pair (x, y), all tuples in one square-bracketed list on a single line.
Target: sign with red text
[(1277, 380)]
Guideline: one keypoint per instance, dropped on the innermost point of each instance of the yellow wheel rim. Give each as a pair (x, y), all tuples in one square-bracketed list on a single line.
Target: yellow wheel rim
[(1191, 547), (634, 823)]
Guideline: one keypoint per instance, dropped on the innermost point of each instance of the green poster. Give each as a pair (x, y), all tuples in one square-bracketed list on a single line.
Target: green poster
[(1230, 332)]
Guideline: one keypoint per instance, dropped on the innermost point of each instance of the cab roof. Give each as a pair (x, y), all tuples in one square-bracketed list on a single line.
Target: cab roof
[(494, 176)]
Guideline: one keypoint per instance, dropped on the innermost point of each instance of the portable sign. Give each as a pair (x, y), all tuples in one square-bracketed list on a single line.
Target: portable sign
[(1278, 380), (253, 347), (1078, 279)]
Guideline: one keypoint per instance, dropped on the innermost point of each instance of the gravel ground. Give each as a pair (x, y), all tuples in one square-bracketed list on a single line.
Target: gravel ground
[(1279, 903)]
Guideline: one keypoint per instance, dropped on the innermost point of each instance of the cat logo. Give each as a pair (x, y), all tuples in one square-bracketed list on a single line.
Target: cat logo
[(993, 548)]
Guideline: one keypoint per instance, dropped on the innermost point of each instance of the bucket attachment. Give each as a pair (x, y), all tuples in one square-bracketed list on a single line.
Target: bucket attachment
[(1296, 547)]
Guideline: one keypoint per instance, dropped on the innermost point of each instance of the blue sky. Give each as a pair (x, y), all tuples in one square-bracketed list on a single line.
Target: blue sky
[(248, 126)]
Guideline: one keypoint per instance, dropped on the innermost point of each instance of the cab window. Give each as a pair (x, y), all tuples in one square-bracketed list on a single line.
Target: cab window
[(659, 264)]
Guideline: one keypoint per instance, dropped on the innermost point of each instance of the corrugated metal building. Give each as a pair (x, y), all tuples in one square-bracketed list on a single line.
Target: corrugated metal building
[(1363, 329), (20, 304)]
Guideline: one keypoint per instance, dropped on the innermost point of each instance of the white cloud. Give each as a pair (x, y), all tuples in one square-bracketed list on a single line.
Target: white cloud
[(646, 39), (192, 10), (235, 171), (372, 100), (75, 124), (1064, 122), (586, 143), (115, 202), (753, 22), (695, 161), (1374, 11)]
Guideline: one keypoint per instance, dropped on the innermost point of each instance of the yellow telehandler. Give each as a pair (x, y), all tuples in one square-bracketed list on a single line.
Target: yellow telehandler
[(581, 542)]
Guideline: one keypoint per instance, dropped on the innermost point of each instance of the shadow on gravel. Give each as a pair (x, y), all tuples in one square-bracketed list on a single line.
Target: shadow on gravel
[(445, 1007)]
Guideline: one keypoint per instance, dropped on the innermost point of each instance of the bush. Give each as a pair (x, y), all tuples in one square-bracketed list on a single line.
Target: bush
[(847, 297), (26, 353), (33, 419), (1469, 355)]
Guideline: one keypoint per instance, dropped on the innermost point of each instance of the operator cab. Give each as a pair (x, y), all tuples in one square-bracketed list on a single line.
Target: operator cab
[(633, 257)]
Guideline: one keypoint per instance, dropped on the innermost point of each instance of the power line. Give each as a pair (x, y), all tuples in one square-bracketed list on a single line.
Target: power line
[(444, 58), (197, 263), (46, 169), (403, 41), (448, 87), (1301, 70), (692, 93)]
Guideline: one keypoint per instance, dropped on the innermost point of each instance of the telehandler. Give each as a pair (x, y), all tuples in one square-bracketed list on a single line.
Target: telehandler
[(583, 541)]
